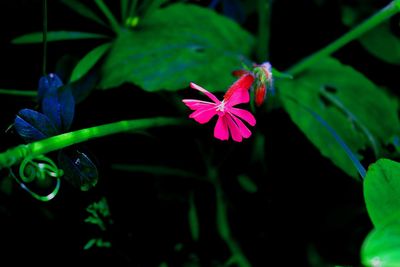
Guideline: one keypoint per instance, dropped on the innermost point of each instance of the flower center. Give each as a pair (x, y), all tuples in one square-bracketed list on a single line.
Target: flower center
[(221, 108)]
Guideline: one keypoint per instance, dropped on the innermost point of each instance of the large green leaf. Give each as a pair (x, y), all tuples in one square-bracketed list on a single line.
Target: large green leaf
[(382, 43), (351, 104), (382, 246), (175, 45), (382, 191), (37, 37)]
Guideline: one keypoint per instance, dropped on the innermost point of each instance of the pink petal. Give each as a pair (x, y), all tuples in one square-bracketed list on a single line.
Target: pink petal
[(239, 97), (203, 115), (244, 115), (239, 91), (244, 131), (204, 91), (221, 129), (233, 129), (195, 104)]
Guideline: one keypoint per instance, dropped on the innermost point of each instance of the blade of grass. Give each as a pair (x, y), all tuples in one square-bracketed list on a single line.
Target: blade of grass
[(124, 10), (84, 11), (193, 219), (109, 15), (132, 9), (18, 92), (37, 37)]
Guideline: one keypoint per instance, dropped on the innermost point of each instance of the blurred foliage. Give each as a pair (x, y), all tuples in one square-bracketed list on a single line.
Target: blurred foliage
[(382, 198), (350, 103)]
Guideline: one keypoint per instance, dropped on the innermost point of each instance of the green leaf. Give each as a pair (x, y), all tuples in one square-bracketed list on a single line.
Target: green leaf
[(382, 191), (247, 184), (90, 243), (167, 50), (382, 43), (382, 246), (88, 61), (193, 219), (37, 37), (351, 104), (83, 10)]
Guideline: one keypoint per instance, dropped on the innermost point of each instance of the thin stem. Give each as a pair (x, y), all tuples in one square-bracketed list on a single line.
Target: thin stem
[(132, 9), (124, 10), (238, 257), (264, 8), (382, 15), (16, 154), (44, 36), (18, 92), (109, 15)]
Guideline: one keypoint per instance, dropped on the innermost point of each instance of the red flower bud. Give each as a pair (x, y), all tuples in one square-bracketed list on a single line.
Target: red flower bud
[(260, 94)]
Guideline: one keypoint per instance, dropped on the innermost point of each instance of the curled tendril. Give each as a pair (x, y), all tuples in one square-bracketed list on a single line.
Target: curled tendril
[(39, 168)]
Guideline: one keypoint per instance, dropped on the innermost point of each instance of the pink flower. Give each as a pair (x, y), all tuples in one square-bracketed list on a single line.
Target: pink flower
[(229, 118)]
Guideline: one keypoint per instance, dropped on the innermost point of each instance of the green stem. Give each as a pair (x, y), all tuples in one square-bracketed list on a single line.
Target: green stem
[(224, 231), (109, 15), (124, 10), (132, 9), (264, 8), (44, 36), (18, 92), (16, 154), (382, 15)]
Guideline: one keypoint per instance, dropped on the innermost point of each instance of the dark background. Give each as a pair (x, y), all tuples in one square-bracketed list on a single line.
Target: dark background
[(304, 204)]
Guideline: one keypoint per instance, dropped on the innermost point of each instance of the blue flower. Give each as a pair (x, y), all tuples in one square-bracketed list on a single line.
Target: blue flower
[(58, 107)]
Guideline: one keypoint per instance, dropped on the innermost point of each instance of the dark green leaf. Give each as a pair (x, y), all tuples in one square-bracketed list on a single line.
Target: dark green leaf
[(88, 61), (247, 184), (90, 243), (37, 37), (382, 191), (382, 246), (168, 50), (193, 219), (351, 104), (382, 43), (83, 10)]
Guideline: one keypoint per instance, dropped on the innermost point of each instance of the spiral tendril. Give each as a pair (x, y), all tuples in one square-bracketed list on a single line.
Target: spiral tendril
[(39, 168)]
